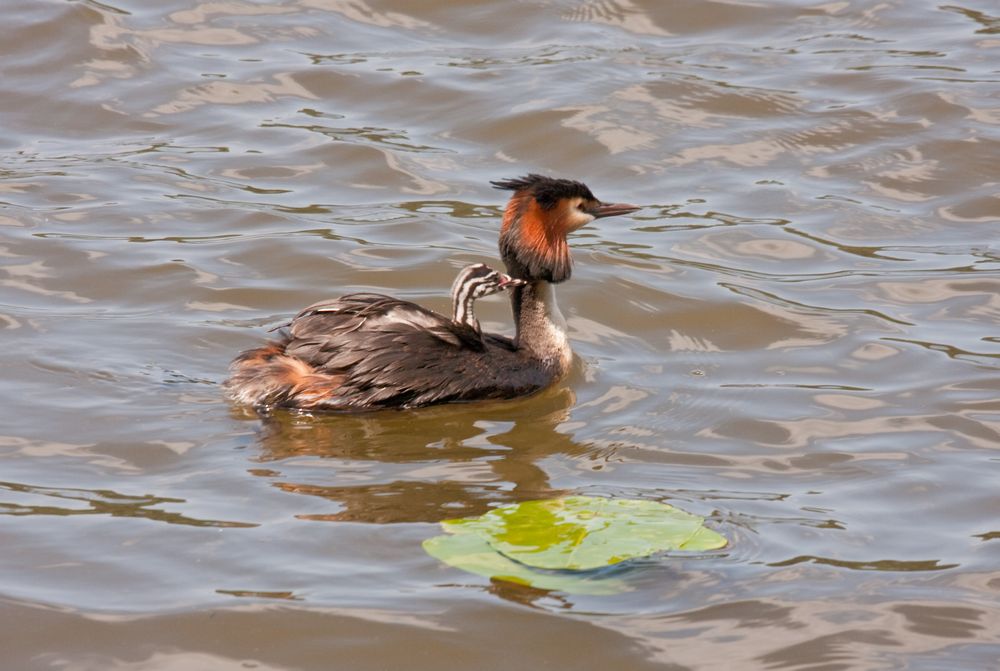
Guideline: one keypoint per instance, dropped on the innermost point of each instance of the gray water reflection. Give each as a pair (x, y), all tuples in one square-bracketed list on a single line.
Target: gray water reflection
[(796, 337)]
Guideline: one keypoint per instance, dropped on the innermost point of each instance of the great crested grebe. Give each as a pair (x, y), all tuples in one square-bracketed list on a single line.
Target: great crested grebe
[(368, 351), (279, 375)]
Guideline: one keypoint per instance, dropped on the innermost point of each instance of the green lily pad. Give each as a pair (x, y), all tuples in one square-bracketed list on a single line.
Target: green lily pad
[(586, 532), (471, 553)]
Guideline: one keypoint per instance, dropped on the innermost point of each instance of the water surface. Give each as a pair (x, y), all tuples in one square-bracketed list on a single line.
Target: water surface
[(796, 337)]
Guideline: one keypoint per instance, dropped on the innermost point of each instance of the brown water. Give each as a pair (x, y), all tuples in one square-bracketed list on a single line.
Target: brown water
[(798, 336)]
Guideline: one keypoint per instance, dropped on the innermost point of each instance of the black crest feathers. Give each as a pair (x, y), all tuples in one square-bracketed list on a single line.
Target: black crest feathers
[(547, 191)]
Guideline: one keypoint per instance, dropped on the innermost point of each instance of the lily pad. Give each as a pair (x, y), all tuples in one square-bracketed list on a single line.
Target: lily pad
[(586, 532), (471, 553)]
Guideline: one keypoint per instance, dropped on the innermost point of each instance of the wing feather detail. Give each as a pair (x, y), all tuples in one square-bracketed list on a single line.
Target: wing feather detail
[(369, 351)]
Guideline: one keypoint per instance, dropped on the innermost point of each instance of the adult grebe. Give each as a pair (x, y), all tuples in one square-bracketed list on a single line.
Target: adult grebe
[(368, 351), (283, 373)]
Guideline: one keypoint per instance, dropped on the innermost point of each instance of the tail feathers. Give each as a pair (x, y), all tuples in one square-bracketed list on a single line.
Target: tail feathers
[(267, 377)]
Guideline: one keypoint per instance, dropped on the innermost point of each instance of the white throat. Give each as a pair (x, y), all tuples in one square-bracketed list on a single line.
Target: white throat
[(541, 327)]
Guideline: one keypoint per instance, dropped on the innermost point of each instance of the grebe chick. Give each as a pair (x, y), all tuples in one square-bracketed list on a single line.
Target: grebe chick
[(367, 351), (474, 282)]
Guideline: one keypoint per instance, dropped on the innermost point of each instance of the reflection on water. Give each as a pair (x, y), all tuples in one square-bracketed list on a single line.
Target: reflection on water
[(795, 338), (101, 502), (420, 466)]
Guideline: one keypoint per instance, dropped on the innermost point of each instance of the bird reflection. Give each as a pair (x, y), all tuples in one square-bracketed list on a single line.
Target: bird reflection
[(423, 465), (528, 596)]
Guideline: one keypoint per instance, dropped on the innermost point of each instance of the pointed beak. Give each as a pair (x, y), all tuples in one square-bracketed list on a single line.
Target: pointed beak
[(612, 209), (508, 282)]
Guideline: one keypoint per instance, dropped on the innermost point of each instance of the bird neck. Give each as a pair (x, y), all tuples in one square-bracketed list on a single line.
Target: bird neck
[(541, 327), (462, 302)]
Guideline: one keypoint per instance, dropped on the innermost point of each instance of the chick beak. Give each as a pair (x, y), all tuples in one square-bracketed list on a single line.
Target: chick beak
[(508, 282), (612, 209)]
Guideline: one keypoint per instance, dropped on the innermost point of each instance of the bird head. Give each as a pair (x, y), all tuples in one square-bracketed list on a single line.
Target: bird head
[(540, 215)]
